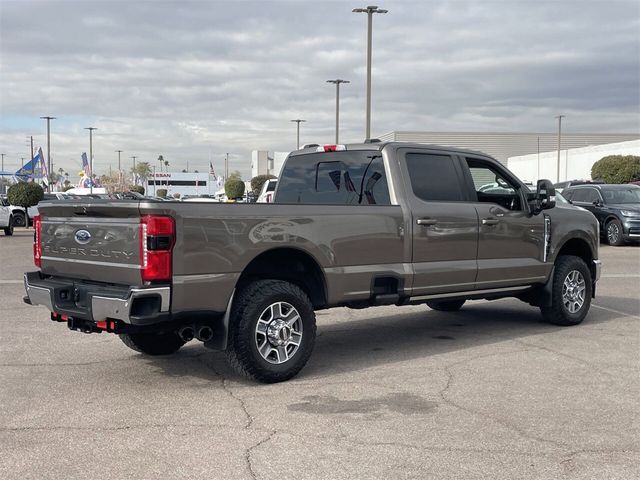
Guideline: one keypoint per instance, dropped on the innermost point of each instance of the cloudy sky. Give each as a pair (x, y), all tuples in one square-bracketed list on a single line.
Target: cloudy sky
[(194, 80)]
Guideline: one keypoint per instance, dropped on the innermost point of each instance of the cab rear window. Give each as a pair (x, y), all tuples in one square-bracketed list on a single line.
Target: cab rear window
[(334, 178)]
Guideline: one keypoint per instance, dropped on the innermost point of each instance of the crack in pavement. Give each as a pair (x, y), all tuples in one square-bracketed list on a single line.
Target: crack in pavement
[(502, 422), (566, 355), (249, 451), (227, 389)]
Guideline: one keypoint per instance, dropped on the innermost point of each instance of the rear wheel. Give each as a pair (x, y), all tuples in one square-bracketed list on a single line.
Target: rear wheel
[(272, 331), (571, 292), (8, 230), (152, 343), (446, 305), (614, 233), (19, 219)]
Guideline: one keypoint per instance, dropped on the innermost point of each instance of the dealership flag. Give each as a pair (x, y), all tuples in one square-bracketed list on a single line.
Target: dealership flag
[(27, 171), (212, 172), (85, 165), (43, 166)]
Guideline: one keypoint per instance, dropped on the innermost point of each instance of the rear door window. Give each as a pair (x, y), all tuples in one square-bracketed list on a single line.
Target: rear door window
[(434, 177), (334, 178)]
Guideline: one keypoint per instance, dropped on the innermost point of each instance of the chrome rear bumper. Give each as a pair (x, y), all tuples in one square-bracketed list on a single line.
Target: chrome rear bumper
[(96, 303)]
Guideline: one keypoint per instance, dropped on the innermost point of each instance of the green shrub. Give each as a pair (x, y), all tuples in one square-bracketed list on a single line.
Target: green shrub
[(25, 194), (137, 188), (234, 188), (161, 192), (258, 181), (617, 169)]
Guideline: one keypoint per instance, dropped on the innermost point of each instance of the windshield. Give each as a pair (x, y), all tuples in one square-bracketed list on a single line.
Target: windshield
[(560, 199), (621, 195)]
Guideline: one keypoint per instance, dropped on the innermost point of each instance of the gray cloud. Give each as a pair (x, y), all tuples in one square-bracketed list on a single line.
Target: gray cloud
[(191, 80)]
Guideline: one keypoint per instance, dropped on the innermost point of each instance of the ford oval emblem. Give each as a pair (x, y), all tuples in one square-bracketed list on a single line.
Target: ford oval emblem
[(82, 237)]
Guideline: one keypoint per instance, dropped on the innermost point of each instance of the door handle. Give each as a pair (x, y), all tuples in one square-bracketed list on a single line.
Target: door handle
[(426, 221), (490, 221)]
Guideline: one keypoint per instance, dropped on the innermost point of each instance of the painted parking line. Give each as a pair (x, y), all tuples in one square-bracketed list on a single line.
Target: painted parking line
[(618, 312), (621, 275)]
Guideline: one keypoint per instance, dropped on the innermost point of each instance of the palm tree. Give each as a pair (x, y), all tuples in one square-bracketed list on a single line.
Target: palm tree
[(161, 160), (142, 171)]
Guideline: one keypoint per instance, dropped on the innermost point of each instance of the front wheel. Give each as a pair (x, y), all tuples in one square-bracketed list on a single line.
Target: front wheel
[(571, 292), (152, 343), (272, 331), (445, 305), (614, 233)]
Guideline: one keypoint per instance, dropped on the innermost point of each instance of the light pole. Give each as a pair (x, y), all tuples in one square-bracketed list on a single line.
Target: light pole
[(559, 117), (298, 121), (135, 177), (226, 167), (91, 129), (48, 119), (2, 170), (119, 170), (337, 83), (30, 137), (370, 10)]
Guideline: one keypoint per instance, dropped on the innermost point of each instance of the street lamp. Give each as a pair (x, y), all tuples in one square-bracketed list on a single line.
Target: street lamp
[(48, 119), (369, 11), (91, 129), (119, 170), (337, 83), (559, 117), (298, 121), (135, 177)]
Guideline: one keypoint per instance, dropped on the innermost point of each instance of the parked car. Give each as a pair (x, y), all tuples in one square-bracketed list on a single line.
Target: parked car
[(617, 208), (6, 217), (570, 183), (267, 191), (356, 226)]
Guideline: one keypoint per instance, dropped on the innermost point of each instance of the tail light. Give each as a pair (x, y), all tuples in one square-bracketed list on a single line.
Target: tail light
[(157, 237), (37, 246)]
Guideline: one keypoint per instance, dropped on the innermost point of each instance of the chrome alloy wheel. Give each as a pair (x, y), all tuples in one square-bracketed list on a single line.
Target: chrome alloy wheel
[(278, 332), (613, 232), (573, 290)]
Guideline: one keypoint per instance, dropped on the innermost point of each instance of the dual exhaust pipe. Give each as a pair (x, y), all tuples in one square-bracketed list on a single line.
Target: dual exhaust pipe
[(203, 333)]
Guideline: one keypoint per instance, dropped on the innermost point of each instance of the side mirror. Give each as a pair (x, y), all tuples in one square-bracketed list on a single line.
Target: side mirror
[(545, 194), (597, 203)]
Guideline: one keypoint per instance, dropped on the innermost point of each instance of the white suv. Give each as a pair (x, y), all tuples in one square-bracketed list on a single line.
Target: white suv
[(6, 217)]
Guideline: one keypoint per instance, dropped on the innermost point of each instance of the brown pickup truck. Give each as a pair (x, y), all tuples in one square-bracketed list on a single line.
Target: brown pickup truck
[(357, 225)]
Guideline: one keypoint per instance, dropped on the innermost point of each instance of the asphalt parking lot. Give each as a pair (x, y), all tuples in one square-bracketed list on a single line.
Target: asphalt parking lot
[(488, 392)]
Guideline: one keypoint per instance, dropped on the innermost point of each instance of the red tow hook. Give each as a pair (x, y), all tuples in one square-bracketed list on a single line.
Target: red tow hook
[(56, 317), (109, 326)]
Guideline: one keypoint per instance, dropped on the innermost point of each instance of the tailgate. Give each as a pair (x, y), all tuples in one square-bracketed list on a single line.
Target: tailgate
[(97, 240)]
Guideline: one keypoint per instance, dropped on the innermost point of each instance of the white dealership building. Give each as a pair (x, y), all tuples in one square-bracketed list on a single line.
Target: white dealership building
[(575, 163), (183, 183)]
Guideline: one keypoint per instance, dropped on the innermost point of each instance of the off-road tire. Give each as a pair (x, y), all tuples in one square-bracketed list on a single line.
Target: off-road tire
[(445, 305), (8, 230), (19, 219), (619, 239), (152, 343), (557, 313), (242, 351)]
